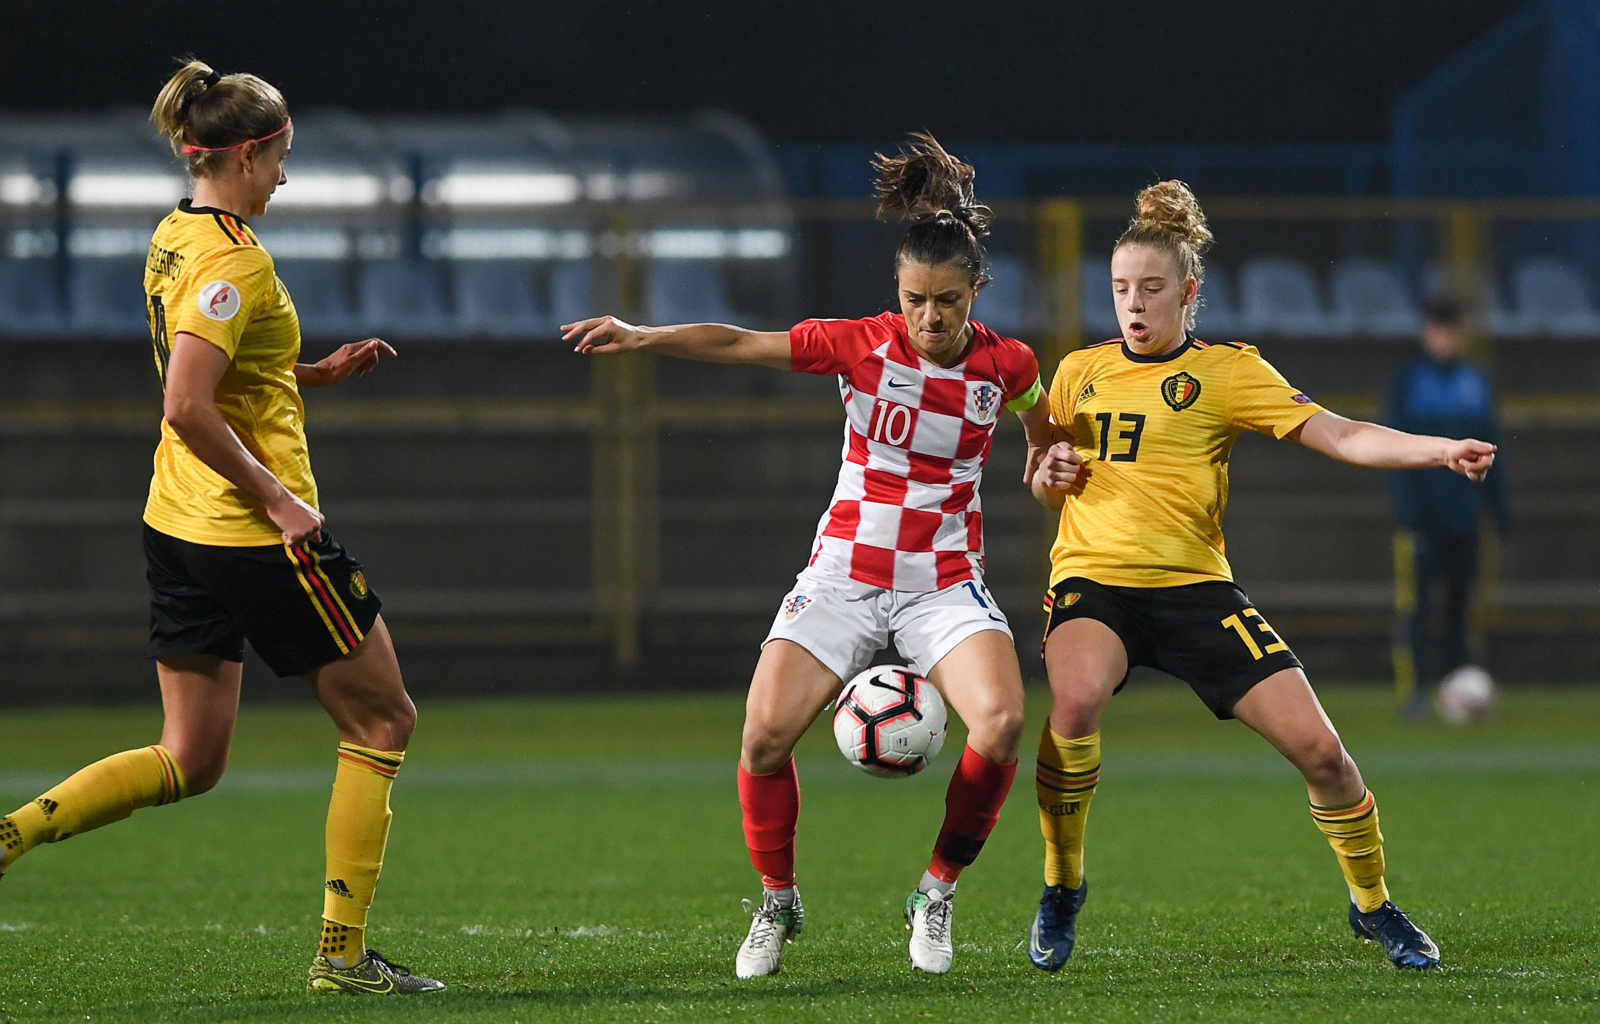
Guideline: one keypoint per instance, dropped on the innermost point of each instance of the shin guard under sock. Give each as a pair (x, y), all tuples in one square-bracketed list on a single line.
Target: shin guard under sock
[(106, 791), (1353, 833), (358, 831), (1069, 770), (971, 807), (771, 806)]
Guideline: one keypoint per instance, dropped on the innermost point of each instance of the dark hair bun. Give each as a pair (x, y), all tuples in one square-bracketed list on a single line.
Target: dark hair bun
[(924, 182)]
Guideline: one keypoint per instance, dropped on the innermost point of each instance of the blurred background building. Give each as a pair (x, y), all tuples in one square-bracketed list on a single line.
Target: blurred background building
[(534, 520)]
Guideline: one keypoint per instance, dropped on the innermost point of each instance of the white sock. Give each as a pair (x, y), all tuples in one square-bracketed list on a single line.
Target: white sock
[(929, 884), (783, 899)]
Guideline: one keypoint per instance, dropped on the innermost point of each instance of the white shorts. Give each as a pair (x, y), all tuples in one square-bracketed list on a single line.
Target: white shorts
[(844, 622)]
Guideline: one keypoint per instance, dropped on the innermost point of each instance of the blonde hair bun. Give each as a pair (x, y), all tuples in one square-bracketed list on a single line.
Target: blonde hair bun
[(1171, 208)]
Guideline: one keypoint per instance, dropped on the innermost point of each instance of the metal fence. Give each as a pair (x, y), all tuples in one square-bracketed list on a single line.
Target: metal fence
[(633, 511)]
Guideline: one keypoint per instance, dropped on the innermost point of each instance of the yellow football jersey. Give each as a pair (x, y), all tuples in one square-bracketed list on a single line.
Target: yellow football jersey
[(1155, 433), (208, 275)]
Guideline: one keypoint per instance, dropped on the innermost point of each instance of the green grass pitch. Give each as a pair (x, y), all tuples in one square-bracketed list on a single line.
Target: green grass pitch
[(581, 860)]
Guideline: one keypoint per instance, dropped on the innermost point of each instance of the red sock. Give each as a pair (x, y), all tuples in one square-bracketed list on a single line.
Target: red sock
[(771, 805), (971, 808)]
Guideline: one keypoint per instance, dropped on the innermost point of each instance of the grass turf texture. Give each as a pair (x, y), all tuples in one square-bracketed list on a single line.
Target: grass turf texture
[(582, 860)]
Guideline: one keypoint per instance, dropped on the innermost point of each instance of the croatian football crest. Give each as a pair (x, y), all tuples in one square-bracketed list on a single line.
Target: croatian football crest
[(795, 605), (983, 401), (1180, 391)]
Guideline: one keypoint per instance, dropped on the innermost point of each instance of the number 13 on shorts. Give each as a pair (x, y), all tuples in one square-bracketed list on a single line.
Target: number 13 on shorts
[(1237, 624)]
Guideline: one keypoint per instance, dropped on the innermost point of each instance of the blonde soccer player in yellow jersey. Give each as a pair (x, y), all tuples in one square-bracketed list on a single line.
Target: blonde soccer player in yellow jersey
[(1138, 575), (235, 546)]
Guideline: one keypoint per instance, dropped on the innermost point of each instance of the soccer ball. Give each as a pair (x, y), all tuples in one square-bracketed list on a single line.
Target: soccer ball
[(1466, 694), (889, 721)]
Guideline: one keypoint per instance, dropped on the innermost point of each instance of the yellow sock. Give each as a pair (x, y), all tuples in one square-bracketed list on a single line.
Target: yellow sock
[(358, 830), (341, 940), (1067, 773), (1353, 833), (106, 791)]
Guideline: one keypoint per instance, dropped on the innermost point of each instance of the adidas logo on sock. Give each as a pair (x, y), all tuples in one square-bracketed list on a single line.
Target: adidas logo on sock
[(48, 806), (338, 888)]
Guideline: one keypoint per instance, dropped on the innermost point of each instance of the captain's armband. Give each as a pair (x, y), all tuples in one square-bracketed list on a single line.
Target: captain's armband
[(1028, 399)]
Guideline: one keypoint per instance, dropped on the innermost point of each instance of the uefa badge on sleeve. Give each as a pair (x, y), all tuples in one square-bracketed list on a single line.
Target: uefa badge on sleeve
[(219, 300)]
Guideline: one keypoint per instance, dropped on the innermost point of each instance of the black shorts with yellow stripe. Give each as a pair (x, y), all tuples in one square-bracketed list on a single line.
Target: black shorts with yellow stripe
[(300, 607), (1207, 634)]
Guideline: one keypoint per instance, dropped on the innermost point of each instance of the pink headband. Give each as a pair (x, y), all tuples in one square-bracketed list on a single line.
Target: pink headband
[(190, 147)]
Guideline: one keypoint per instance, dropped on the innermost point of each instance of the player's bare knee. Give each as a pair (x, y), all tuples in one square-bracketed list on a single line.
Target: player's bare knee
[(763, 749), (1324, 761), (1077, 709), (1002, 729), (202, 770), (402, 722)]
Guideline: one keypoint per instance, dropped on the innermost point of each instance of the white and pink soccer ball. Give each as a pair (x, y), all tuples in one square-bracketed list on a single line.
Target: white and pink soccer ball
[(1466, 695), (889, 721)]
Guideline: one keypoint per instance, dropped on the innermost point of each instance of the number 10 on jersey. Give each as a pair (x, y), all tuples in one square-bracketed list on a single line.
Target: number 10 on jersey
[(891, 423)]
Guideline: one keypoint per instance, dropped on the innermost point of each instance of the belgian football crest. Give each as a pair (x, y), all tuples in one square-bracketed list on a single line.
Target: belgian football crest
[(1180, 391)]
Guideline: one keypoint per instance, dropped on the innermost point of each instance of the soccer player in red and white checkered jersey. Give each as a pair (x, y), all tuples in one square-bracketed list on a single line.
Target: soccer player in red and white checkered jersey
[(900, 549)]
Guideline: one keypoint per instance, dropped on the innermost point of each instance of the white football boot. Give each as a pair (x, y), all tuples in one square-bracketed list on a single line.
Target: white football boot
[(928, 915), (773, 925)]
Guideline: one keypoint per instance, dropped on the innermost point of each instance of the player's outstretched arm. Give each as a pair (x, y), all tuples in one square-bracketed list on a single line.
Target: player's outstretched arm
[(712, 343), (358, 357), (1378, 447)]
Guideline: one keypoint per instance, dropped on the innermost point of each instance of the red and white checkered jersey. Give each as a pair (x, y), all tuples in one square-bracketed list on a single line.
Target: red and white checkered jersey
[(905, 514)]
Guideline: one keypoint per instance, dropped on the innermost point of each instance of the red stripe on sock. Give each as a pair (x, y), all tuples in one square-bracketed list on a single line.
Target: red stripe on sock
[(971, 808), (771, 805)]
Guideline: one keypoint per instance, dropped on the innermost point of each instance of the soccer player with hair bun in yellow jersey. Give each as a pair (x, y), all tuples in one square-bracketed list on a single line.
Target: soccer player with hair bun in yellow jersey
[(1138, 574), (234, 544)]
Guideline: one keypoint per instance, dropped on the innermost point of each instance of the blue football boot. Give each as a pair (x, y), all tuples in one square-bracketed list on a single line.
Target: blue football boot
[(1055, 927), (1407, 945)]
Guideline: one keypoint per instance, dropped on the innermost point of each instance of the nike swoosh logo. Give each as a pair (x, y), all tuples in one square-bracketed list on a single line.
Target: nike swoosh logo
[(1038, 951), (385, 985), (896, 384)]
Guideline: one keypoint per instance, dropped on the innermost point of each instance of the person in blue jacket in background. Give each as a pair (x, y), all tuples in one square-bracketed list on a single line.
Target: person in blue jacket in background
[(1439, 512)]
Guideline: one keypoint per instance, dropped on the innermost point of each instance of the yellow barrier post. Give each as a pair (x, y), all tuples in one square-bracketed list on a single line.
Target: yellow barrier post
[(1059, 236), (624, 471), (1470, 278)]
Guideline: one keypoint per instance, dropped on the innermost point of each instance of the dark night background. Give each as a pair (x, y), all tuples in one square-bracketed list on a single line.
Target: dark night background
[(1168, 71)]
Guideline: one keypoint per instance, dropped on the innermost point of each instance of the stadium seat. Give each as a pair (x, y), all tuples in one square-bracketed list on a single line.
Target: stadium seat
[(28, 302), (1436, 282), (1099, 305), (1002, 304), (107, 298), (688, 291), (1553, 299), (402, 298), (1218, 319), (316, 287), (495, 299), (1279, 296), (1370, 297), (569, 292)]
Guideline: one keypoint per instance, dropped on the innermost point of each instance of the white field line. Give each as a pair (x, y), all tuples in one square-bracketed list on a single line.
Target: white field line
[(1375, 765)]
